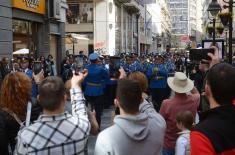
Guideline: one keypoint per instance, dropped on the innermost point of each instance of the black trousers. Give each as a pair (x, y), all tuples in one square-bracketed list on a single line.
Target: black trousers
[(110, 94), (96, 103), (158, 95)]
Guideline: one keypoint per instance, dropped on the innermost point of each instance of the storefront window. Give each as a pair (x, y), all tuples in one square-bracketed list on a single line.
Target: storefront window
[(80, 13), (24, 35)]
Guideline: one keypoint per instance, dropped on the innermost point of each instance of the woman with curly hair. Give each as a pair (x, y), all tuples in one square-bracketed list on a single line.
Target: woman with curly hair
[(15, 94)]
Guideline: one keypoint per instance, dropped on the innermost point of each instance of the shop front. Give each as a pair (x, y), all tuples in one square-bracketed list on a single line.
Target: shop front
[(24, 35), (39, 25), (27, 22)]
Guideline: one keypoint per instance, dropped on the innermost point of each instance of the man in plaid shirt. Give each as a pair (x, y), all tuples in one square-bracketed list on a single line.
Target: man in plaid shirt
[(56, 132)]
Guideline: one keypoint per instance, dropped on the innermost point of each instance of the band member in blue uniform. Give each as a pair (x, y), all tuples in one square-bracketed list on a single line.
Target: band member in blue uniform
[(24, 64), (157, 74), (94, 85)]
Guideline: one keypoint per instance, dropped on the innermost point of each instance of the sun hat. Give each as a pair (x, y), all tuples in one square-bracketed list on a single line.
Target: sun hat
[(180, 83)]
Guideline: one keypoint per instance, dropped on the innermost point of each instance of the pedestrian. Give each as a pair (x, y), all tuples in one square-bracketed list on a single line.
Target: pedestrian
[(143, 81), (51, 66), (44, 66), (182, 101), (215, 133), (15, 94), (94, 85), (57, 132), (5, 67), (24, 65), (185, 123), (157, 75), (67, 71), (135, 129)]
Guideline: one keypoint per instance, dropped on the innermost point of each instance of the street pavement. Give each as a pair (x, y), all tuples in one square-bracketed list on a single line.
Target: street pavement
[(106, 121)]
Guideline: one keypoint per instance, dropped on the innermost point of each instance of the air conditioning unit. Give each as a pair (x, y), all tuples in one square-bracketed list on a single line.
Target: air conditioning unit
[(55, 6)]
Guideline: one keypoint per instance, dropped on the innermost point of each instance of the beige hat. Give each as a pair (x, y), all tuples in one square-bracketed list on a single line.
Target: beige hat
[(180, 83)]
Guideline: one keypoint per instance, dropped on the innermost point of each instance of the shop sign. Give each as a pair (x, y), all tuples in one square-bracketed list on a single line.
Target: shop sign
[(37, 6), (185, 39)]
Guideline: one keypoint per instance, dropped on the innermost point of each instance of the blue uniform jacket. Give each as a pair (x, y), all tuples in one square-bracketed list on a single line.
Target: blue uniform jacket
[(94, 82), (158, 80), (136, 66), (170, 65)]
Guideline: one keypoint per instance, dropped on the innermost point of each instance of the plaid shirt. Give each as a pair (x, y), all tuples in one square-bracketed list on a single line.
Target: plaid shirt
[(62, 134)]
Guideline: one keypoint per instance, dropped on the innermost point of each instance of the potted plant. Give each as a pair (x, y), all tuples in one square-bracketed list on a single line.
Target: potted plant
[(220, 29), (224, 17), (210, 30)]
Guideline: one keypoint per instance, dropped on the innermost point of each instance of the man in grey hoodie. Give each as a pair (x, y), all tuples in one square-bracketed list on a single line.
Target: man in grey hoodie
[(138, 130)]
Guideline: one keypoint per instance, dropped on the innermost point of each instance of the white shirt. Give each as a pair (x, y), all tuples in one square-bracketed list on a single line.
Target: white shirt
[(183, 143)]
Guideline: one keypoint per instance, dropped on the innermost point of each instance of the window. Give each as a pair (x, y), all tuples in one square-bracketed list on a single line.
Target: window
[(185, 5), (80, 13)]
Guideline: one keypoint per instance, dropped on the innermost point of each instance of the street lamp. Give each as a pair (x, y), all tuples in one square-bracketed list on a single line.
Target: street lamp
[(213, 8)]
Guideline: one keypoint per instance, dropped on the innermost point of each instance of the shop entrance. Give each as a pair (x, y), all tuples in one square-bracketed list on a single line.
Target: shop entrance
[(25, 35)]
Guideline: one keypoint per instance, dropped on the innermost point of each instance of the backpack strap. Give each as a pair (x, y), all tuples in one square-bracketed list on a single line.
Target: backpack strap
[(28, 115)]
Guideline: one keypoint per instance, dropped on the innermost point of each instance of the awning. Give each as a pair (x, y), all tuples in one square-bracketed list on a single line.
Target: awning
[(73, 38), (21, 51)]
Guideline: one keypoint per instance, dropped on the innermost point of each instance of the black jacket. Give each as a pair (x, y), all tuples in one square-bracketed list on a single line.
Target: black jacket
[(218, 125), (9, 128)]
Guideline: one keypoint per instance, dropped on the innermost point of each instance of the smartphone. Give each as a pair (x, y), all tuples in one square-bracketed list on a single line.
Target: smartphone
[(115, 62), (196, 55), (114, 66), (37, 67)]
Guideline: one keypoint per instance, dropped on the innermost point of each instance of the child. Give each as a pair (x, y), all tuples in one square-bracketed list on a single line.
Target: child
[(185, 122)]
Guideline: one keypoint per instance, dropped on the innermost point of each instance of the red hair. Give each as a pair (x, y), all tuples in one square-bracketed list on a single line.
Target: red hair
[(15, 93)]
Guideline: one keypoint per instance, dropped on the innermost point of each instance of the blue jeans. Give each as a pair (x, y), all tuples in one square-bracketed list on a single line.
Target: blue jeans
[(168, 151)]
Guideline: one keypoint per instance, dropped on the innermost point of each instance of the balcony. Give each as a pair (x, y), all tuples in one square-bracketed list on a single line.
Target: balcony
[(82, 27), (132, 6)]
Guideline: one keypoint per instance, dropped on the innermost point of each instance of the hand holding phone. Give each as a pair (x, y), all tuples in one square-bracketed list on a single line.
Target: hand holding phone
[(37, 67), (214, 57), (197, 55)]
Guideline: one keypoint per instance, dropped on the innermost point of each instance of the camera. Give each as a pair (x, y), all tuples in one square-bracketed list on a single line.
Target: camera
[(114, 66), (197, 55)]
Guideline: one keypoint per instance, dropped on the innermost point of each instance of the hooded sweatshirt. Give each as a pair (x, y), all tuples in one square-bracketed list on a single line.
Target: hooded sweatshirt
[(142, 134)]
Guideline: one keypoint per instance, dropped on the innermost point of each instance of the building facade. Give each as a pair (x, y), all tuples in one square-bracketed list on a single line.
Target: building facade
[(161, 25), (34, 25), (110, 26), (184, 21), (199, 32)]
